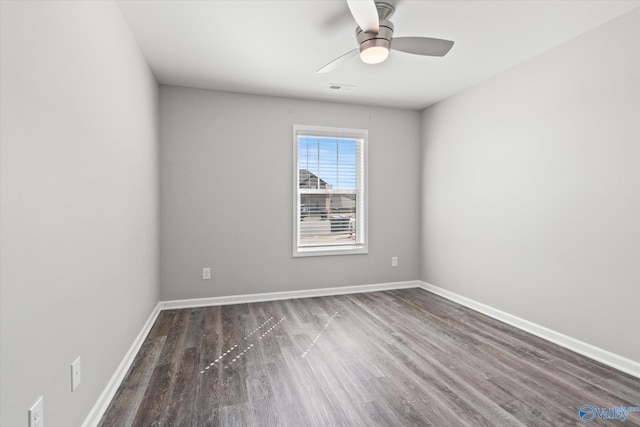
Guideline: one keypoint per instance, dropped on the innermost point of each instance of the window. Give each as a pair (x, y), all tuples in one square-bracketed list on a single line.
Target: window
[(330, 191)]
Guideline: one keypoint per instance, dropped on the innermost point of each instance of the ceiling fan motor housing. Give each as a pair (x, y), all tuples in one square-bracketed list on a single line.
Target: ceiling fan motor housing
[(382, 38)]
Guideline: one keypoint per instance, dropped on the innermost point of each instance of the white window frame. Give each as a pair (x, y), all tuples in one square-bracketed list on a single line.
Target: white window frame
[(321, 131)]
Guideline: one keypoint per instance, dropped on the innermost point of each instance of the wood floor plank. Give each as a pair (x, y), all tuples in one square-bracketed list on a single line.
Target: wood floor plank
[(181, 404), (153, 405), (131, 393), (402, 357), (210, 388)]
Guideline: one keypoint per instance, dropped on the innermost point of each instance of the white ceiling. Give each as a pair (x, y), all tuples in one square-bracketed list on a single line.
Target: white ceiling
[(274, 47)]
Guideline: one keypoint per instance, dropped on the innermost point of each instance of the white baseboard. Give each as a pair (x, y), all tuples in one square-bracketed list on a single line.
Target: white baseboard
[(275, 296), (611, 359), (101, 405)]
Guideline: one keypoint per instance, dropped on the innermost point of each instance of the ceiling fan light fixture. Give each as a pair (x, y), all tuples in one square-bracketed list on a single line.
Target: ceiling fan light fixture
[(374, 47), (374, 54)]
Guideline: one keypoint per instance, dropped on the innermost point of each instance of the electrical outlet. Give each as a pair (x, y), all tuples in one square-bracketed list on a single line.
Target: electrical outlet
[(36, 414), (394, 261), (206, 273), (75, 374)]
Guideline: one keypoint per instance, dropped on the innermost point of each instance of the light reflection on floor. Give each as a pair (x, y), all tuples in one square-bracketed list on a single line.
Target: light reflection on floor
[(318, 336), (243, 351)]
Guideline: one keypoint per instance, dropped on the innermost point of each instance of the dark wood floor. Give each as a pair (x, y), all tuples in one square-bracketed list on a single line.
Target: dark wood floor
[(404, 357)]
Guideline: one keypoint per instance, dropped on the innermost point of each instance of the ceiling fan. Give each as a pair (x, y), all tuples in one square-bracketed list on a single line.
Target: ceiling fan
[(375, 36)]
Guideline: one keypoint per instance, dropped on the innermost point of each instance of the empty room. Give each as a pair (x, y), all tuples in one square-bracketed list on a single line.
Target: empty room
[(319, 213)]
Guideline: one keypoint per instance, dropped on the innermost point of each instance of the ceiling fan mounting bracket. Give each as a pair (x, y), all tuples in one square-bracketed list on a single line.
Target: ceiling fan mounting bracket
[(385, 10)]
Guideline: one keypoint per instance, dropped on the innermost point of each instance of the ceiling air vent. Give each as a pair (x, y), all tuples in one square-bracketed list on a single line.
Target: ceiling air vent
[(341, 88)]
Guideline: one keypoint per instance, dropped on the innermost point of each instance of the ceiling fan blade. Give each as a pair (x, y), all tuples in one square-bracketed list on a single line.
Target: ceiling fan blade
[(365, 14), (338, 61), (422, 45)]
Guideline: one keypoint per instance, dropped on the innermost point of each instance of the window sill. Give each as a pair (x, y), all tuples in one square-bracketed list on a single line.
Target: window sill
[(330, 250)]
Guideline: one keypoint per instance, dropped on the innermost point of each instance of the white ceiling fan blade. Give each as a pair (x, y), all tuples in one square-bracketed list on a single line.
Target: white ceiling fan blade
[(422, 45), (365, 14), (338, 61)]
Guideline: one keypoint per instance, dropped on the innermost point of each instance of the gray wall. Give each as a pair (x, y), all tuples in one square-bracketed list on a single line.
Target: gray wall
[(531, 189), (226, 185), (79, 211)]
